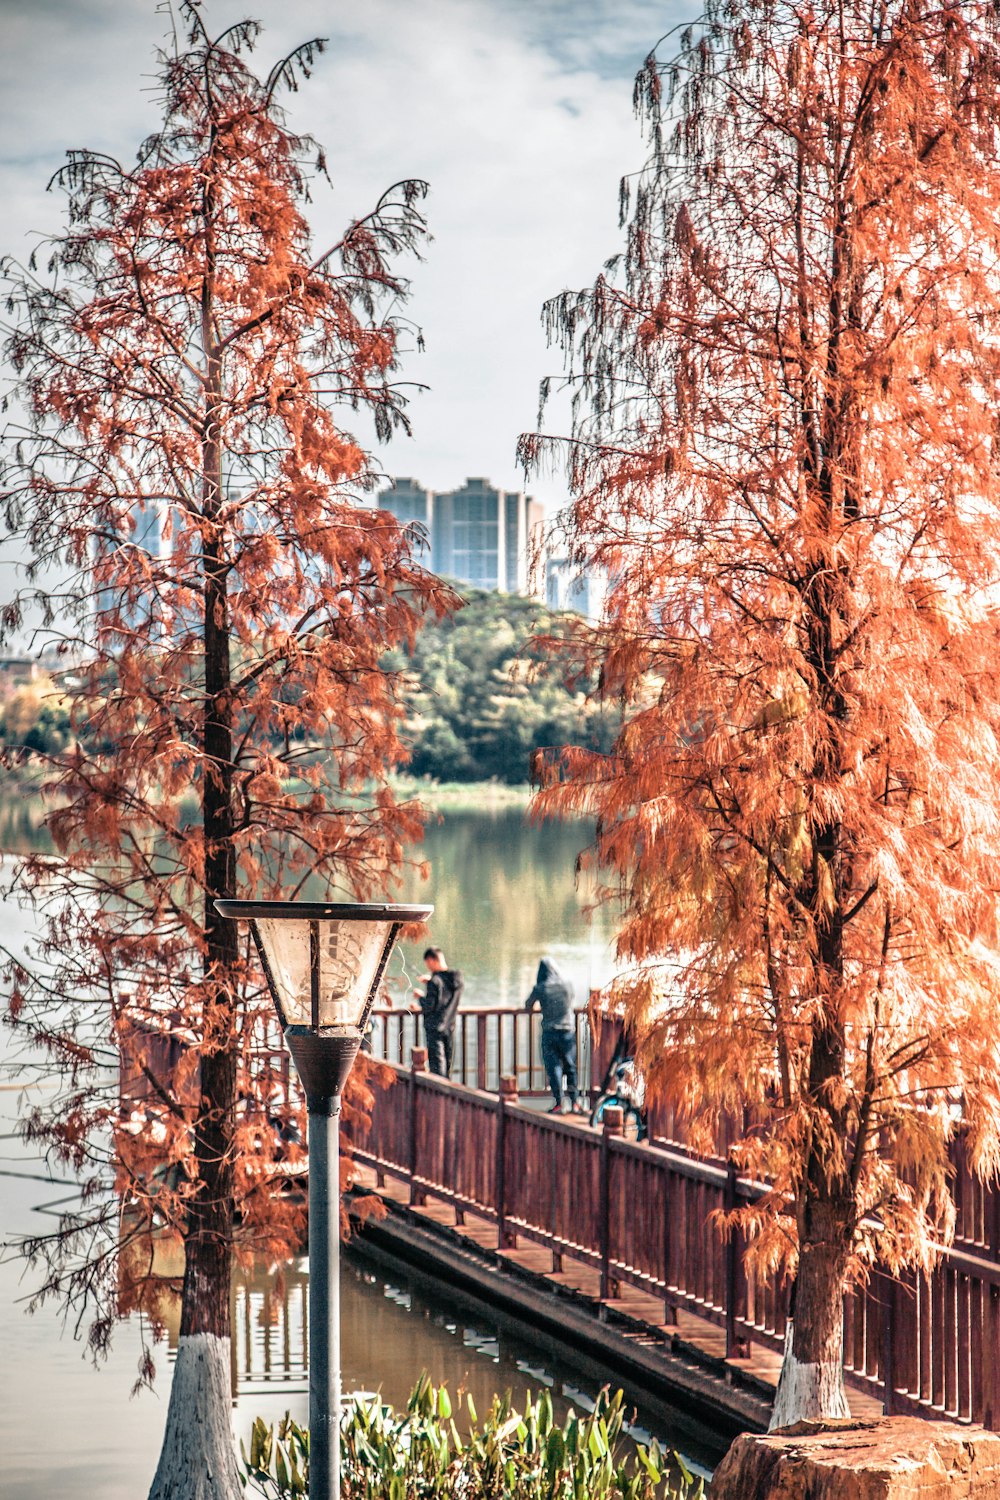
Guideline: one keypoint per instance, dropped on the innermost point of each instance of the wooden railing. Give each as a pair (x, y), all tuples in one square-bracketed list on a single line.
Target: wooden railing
[(490, 1043), (645, 1215)]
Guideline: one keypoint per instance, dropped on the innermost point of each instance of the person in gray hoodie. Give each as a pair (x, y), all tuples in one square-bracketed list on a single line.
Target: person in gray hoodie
[(554, 994)]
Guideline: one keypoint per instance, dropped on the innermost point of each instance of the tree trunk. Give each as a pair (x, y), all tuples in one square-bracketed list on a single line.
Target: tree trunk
[(198, 1459), (811, 1383)]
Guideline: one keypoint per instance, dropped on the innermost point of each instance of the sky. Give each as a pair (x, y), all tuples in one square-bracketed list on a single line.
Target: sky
[(517, 112)]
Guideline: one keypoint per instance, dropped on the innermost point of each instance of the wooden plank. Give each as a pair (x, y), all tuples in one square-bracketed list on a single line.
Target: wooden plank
[(950, 1341), (977, 1350), (939, 1354), (964, 1349)]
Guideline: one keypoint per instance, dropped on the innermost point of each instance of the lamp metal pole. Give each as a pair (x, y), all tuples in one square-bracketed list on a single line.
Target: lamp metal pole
[(325, 1395), (322, 1011), (324, 1060)]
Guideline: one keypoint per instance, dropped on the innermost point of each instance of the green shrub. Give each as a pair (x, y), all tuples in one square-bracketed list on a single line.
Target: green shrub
[(422, 1454)]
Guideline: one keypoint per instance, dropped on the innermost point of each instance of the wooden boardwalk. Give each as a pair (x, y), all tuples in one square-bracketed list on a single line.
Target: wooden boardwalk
[(634, 1227), (643, 1310)]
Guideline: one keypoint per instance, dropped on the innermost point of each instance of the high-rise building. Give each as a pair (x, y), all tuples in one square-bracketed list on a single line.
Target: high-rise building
[(409, 501), (478, 534), (567, 586)]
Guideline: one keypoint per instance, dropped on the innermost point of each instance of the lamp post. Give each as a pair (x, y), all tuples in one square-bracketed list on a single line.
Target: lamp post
[(323, 962)]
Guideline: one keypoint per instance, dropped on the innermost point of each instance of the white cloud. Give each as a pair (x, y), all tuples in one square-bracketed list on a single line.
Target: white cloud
[(518, 113)]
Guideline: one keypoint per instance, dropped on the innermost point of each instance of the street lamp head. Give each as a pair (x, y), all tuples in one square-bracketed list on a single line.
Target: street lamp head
[(324, 961)]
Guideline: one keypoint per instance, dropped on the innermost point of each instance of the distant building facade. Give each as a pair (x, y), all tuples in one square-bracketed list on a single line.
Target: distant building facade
[(147, 536), (477, 535), (409, 501), (17, 672), (568, 586)]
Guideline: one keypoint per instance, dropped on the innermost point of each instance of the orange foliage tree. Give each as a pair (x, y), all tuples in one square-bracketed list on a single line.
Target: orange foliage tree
[(227, 601), (783, 452)]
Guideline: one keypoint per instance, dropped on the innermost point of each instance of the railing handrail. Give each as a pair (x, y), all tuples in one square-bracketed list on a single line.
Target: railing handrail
[(466, 1010), (437, 1084), (488, 1042), (699, 1169)]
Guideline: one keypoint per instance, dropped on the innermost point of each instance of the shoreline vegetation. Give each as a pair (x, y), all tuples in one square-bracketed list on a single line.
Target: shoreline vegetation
[(480, 699), (22, 806), (440, 1447), (464, 796), (480, 693)]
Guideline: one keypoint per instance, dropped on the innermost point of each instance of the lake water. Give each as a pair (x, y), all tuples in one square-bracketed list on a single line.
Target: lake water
[(504, 893)]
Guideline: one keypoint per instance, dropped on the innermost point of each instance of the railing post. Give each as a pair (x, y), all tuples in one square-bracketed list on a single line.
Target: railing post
[(669, 1305), (507, 1095), (595, 1024), (886, 1287), (614, 1122), (418, 1065), (481, 1020), (582, 1059), (736, 1348)]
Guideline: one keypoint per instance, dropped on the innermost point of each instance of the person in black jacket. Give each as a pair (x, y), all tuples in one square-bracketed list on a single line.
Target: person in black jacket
[(439, 1003), (555, 995)]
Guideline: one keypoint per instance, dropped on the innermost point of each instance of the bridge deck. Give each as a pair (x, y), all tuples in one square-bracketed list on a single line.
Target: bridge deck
[(642, 1224), (762, 1364)]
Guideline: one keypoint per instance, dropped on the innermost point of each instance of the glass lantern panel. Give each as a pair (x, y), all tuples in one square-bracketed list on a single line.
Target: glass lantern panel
[(286, 944), (349, 957)]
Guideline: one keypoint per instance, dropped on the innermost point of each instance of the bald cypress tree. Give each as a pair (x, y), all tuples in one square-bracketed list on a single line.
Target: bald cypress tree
[(784, 454), (187, 356)]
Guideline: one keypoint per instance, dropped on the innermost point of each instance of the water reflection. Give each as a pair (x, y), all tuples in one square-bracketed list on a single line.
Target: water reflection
[(393, 1329), (391, 1332), (21, 826), (505, 892)]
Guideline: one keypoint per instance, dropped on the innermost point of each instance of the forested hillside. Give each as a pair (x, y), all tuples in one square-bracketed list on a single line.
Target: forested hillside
[(483, 698)]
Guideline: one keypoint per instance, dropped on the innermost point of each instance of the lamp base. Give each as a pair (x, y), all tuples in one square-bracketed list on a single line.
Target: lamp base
[(323, 1060)]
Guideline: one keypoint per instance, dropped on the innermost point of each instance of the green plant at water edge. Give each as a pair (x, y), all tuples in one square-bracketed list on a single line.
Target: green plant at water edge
[(422, 1453)]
